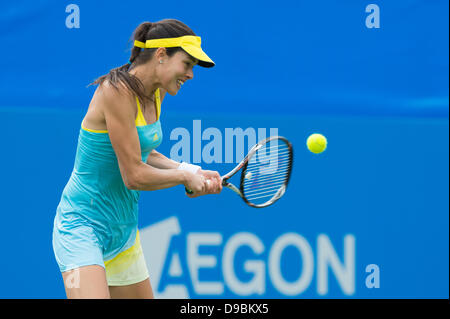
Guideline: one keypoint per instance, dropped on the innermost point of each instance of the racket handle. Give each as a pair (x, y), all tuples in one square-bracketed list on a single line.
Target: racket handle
[(191, 192)]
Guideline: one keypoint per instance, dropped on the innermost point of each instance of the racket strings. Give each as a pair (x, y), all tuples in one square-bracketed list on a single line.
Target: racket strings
[(262, 181), (266, 183), (269, 152), (269, 195), (263, 185), (265, 159), (270, 169), (267, 172), (267, 190)]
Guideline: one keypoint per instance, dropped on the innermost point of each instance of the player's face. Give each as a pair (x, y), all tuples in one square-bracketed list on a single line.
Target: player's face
[(178, 70)]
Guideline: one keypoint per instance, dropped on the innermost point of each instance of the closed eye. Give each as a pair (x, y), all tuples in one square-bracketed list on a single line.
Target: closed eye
[(191, 63)]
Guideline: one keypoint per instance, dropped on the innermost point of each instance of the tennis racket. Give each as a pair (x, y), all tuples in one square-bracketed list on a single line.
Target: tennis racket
[(265, 172)]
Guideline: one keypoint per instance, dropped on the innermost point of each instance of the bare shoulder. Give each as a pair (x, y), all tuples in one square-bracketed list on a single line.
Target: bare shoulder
[(114, 94), (108, 98), (116, 99)]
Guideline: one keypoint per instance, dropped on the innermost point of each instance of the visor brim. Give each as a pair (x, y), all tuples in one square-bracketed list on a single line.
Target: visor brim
[(200, 55)]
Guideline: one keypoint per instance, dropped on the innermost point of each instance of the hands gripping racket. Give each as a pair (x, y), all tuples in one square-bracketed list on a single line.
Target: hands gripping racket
[(265, 172)]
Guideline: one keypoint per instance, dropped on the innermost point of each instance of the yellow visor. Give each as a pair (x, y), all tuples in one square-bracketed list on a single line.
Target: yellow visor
[(189, 43)]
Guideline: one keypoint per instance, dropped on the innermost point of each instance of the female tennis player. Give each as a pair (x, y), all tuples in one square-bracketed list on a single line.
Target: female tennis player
[(95, 236)]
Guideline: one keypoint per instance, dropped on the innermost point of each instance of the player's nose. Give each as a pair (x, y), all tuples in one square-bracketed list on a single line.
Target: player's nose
[(190, 75)]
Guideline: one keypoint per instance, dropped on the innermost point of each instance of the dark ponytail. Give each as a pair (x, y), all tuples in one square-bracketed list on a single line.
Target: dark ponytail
[(169, 28)]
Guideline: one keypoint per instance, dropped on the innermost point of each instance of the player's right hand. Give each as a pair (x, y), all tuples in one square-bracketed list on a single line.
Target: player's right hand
[(197, 184)]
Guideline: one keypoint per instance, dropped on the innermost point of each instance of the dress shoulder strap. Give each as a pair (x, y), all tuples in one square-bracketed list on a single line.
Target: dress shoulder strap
[(140, 119), (158, 104)]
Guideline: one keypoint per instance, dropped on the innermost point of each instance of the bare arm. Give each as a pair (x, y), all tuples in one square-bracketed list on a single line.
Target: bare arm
[(118, 106), (158, 160)]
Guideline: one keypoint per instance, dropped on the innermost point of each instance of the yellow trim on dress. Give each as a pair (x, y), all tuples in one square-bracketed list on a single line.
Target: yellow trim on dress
[(94, 131), (158, 104), (140, 119), (125, 259)]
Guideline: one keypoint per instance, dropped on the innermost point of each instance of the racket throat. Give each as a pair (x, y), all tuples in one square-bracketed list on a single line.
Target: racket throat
[(233, 188)]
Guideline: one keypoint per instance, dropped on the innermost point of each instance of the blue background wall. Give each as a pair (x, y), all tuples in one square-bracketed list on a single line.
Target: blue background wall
[(379, 95)]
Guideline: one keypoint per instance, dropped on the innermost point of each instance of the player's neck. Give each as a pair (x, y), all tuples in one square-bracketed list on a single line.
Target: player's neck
[(150, 82)]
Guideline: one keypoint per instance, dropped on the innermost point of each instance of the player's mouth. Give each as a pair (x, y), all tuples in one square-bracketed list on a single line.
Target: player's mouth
[(179, 83)]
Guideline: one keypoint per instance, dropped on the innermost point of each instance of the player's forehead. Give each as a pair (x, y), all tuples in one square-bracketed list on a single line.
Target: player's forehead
[(183, 55)]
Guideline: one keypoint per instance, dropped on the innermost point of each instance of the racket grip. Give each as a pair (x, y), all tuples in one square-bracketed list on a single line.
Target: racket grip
[(191, 192)]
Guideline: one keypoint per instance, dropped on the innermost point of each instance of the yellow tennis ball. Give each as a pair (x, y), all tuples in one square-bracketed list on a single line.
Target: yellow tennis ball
[(317, 143)]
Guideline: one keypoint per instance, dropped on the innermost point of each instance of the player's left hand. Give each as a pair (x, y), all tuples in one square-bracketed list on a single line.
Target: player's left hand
[(214, 186)]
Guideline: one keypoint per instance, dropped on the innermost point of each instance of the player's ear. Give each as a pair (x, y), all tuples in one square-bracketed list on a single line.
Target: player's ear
[(160, 54)]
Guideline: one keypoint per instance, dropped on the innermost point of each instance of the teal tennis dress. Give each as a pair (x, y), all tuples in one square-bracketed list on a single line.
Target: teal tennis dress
[(97, 216)]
